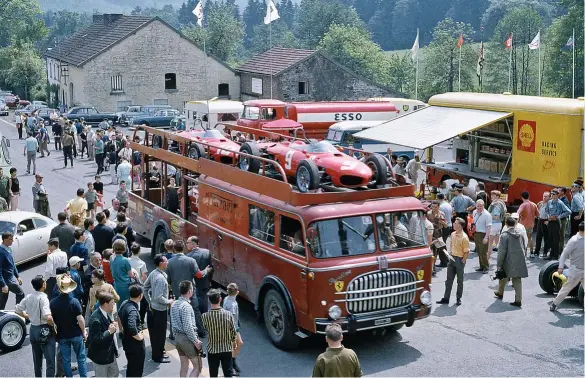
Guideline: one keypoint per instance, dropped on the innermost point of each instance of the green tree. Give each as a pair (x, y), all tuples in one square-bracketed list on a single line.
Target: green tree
[(185, 14), (401, 73), (404, 20), (22, 68), (166, 13), (253, 16), (62, 24), (440, 69), (498, 9), (316, 16), (196, 34), (524, 23), (281, 37), (21, 21), (288, 13), (559, 72)]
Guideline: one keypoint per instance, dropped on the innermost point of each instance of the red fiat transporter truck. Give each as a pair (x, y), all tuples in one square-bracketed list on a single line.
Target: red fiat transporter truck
[(305, 260), (316, 117)]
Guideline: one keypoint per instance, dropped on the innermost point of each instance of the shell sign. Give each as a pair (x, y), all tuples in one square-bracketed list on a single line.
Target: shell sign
[(526, 136), (175, 226)]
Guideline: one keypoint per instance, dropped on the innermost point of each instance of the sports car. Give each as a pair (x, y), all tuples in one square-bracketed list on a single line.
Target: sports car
[(311, 164), (31, 233), (217, 147)]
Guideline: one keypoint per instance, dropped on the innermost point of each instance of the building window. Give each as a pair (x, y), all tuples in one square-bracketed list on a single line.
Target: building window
[(116, 82), (223, 90), (303, 87), (170, 82), (160, 101)]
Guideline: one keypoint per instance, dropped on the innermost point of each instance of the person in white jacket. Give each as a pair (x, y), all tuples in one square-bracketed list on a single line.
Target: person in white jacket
[(522, 230), (575, 252)]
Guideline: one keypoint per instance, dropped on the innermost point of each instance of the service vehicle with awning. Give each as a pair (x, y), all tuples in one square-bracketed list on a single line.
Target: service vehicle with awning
[(511, 143)]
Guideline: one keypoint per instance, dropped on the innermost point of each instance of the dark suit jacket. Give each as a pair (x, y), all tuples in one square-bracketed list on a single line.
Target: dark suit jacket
[(101, 347), (102, 235), (64, 232), (203, 258)]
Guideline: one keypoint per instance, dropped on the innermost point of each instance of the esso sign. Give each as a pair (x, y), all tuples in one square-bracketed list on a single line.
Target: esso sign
[(348, 116)]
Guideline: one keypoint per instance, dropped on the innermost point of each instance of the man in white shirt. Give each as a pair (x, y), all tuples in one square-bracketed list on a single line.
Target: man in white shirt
[(447, 209), (399, 228), (575, 252), (88, 228), (55, 259)]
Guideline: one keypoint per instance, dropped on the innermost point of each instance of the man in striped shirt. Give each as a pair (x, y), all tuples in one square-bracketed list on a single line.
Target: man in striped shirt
[(221, 329), (183, 324)]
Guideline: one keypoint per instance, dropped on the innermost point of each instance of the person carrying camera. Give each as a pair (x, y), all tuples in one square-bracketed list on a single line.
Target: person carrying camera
[(184, 327), (511, 262)]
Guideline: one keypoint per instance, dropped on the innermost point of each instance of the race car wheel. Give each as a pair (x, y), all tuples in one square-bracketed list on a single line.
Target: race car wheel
[(157, 142), (12, 332), (196, 152), (246, 163), (379, 169), (580, 294), (307, 176), (545, 276)]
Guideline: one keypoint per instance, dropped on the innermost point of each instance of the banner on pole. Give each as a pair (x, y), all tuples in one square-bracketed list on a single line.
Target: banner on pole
[(271, 12), (535, 44), (460, 41), (415, 48), (198, 12), (570, 45), (508, 42)]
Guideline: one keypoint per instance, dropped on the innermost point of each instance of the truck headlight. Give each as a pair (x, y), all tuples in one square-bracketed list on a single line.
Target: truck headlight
[(334, 312), (426, 298)]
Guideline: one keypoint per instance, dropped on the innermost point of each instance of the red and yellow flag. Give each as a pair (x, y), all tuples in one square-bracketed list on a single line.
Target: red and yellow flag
[(460, 41), (508, 42)]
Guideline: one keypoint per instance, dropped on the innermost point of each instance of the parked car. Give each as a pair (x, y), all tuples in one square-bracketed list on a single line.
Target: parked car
[(12, 331), (29, 109), (31, 233), (90, 115), (40, 103), (45, 113), (11, 102), (134, 111), (162, 118), (3, 108)]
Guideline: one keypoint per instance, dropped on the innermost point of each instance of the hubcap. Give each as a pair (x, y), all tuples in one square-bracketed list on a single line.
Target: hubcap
[(303, 177), (11, 333), (276, 319), (244, 163), (372, 166), (193, 154)]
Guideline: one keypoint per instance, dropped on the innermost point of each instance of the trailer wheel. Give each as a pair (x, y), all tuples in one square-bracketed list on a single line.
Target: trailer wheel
[(246, 163), (307, 176), (278, 321), (545, 276), (158, 246), (12, 332), (379, 169), (195, 152)]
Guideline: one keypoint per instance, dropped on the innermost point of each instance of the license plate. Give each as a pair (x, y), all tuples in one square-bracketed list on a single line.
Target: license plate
[(383, 321)]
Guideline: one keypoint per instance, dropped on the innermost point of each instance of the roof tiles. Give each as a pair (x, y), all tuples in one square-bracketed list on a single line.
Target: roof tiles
[(275, 60)]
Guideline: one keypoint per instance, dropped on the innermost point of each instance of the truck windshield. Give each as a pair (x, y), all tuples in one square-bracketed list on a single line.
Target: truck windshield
[(400, 230), (349, 236), (251, 112), (334, 135)]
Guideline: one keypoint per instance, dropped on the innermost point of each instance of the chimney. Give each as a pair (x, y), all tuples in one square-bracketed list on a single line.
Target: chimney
[(106, 19)]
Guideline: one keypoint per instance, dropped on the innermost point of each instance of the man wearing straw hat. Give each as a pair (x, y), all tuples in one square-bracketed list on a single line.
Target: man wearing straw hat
[(68, 318)]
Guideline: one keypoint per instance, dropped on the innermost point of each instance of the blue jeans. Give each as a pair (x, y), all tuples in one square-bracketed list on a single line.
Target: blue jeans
[(79, 348), (40, 351)]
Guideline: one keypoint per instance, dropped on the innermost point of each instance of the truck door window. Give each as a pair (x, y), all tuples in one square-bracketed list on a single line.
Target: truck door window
[(400, 230), (251, 112), (268, 114), (261, 224), (291, 236), (349, 236)]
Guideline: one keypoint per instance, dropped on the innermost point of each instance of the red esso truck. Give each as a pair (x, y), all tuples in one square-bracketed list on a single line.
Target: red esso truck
[(316, 117)]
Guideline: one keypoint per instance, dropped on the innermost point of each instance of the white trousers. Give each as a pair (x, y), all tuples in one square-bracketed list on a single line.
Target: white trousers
[(572, 281)]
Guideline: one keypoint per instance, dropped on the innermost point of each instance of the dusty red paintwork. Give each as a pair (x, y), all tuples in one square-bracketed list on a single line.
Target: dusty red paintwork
[(220, 149)]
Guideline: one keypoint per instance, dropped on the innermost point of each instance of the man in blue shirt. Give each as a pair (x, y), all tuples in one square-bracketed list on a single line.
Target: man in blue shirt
[(577, 204), (9, 279), (461, 204), (74, 270), (556, 211), (30, 150)]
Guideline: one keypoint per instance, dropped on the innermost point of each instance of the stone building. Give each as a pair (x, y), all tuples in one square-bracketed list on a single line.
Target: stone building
[(135, 60), (304, 75)]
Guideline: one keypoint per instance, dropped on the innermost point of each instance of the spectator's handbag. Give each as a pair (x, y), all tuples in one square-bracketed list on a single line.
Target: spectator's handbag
[(45, 331)]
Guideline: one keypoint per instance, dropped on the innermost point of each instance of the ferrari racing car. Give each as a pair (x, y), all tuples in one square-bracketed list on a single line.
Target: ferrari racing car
[(214, 145)]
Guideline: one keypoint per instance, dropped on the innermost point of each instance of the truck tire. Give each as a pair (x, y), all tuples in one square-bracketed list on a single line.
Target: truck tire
[(278, 321), (307, 176), (545, 276), (379, 169), (159, 243), (580, 294), (12, 332), (246, 163), (195, 152)]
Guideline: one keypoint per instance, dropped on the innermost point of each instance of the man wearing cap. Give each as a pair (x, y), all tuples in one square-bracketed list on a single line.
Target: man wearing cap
[(577, 204), (556, 210), (574, 252), (74, 268), (64, 232), (40, 197), (68, 318), (399, 167), (461, 205), (9, 278), (412, 169), (542, 226), (55, 259)]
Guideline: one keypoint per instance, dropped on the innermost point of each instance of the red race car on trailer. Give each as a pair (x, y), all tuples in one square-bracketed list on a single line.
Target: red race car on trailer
[(316, 117), (216, 146)]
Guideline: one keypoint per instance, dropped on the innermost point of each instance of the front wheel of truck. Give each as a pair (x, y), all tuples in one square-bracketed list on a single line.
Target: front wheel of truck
[(158, 246), (278, 321)]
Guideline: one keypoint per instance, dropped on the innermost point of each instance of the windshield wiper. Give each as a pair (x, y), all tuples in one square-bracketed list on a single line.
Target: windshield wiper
[(354, 230)]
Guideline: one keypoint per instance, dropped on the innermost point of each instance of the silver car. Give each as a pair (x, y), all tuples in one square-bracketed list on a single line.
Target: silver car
[(3, 108)]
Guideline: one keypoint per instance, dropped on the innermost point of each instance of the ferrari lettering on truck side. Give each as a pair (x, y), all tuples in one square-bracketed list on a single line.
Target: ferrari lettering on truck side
[(348, 116)]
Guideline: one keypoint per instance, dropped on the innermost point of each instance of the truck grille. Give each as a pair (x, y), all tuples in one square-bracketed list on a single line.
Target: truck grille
[(380, 291)]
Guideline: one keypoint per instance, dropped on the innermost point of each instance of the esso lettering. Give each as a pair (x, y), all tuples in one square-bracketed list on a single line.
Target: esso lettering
[(348, 116)]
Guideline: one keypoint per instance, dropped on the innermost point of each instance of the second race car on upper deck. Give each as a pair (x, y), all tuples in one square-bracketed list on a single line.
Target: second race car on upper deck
[(312, 163), (212, 145)]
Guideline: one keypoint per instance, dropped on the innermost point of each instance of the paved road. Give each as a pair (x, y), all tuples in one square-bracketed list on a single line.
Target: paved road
[(483, 337)]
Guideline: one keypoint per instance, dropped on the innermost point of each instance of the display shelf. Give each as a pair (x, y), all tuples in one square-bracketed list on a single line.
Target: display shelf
[(495, 133), (496, 154)]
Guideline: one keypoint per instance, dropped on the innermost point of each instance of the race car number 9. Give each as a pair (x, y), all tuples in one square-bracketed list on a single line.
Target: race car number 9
[(288, 159)]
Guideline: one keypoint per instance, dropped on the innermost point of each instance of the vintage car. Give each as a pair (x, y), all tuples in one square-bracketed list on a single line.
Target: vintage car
[(11, 102), (3, 108), (45, 114), (90, 115), (215, 146), (134, 111), (29, 109), (162, 118), (12, 331)]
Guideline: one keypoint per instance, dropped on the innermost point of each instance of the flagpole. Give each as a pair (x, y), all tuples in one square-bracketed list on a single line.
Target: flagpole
[(460, 68), (573, 63), (482, 54), (510, 65), (539, 76), (416, 71), (271, 63)]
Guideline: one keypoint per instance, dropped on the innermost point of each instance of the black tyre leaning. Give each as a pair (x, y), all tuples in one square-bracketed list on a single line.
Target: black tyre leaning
[(309, 170), (247, 163), (545, 276), (379, 167), (278, 321)]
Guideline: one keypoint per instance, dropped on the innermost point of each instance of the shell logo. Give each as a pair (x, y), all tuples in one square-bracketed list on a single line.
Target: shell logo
[(526, 136), (175, 226)]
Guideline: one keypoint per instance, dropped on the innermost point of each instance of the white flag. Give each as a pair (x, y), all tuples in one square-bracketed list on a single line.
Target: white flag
[(198, 12), (414, 50), (271, 12), (480, 60), (535, 44)]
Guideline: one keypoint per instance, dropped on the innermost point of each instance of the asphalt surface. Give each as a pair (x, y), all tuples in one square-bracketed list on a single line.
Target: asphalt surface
[(482, 337)]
